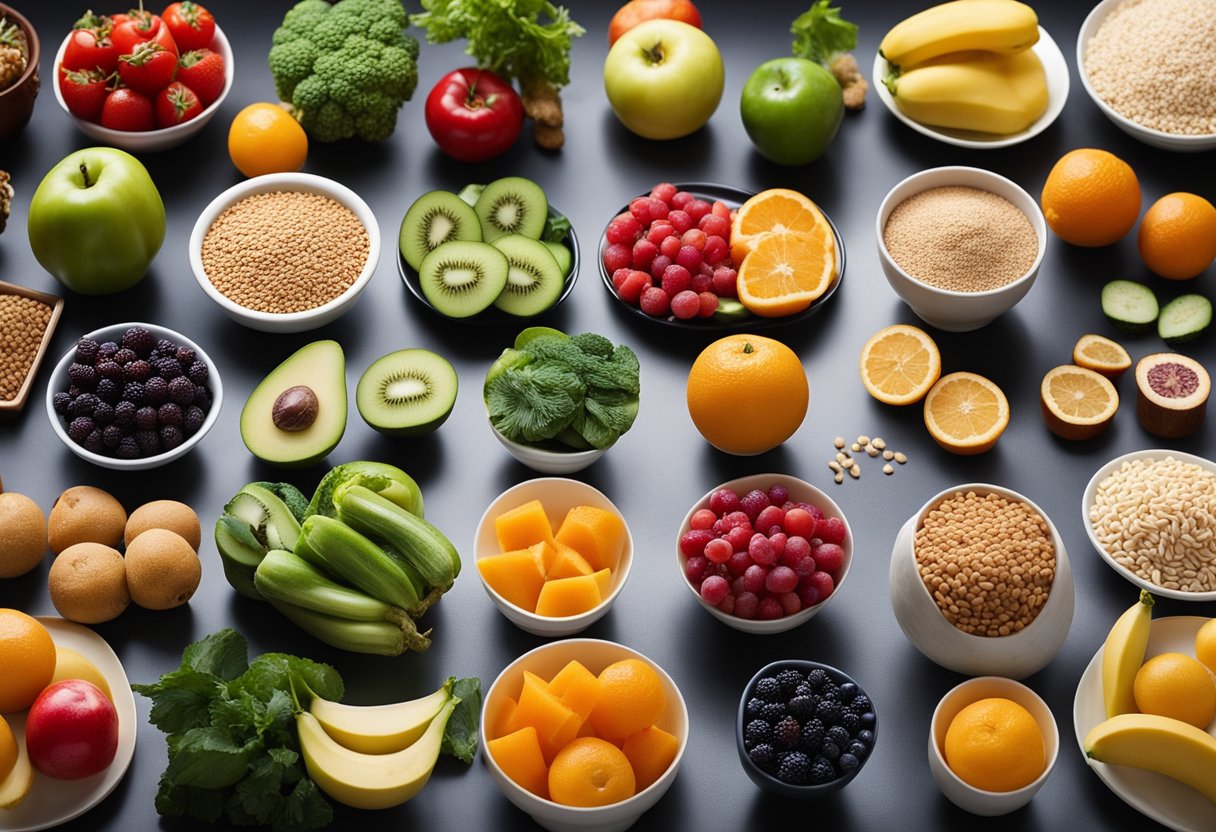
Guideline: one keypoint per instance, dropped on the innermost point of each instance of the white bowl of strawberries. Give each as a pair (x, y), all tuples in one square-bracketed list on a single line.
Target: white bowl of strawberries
[(144, 82)]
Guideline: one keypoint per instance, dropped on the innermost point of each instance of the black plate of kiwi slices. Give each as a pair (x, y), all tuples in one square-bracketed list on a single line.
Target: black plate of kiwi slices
[(729, 313), (490, 254)]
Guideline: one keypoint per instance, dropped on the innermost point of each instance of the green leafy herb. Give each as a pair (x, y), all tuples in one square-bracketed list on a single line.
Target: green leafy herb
[(820, 33), (233, 753), (557, 229), (460, 735)]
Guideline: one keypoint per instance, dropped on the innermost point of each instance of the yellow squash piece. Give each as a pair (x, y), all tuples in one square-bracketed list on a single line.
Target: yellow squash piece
[(1157, 743), (1122, 655), (1004, 27), (380, 729)]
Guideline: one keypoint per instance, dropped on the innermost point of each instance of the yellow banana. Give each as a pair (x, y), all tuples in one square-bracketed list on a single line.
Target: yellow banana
[(1000, 26), (15, 786), (370, 781), (1122, 655), (989, 94), (380, 729), (1157, 743)]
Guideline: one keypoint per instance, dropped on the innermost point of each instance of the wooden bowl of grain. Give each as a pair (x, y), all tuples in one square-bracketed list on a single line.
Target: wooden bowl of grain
[(1006, 620), (18, 94), (28, 319)]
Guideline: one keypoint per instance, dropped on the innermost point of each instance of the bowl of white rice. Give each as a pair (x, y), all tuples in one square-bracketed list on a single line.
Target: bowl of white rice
[(1152, 516), (1147, 65)]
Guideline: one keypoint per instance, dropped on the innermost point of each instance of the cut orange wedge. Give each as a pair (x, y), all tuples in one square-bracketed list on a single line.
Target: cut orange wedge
[(786, 273), (1102, 355), (1077, 403), (966, 413), (775, 211), (899, 364)]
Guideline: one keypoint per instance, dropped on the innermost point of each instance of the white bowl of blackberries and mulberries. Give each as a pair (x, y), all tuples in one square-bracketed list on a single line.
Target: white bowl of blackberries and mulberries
[(133, 396), (804, 729)]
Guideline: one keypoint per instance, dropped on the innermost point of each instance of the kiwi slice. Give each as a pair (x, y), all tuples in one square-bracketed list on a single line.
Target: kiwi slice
[(563, 256), (434, 219), (512, 205), (460, 278), (407, 392), (534, 281)]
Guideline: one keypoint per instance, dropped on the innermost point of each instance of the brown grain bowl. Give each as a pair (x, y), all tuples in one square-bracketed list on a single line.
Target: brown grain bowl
[(56, 304), (17, 100)]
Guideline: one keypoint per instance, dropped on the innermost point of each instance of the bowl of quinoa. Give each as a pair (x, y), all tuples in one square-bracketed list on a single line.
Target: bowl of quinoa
[(1147, 65), (1151, 515), (285, 252), (960, 245)]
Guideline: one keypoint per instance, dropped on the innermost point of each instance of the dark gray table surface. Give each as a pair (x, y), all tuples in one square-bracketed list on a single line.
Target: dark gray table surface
[(662, 465)]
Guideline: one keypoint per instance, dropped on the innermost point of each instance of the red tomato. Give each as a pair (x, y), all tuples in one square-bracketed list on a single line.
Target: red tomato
[(126, 109), (175, 104), (91, 49), (202, 71), (149, 68), (637, 11), (473, 114), (140, 27), (192, 26), (83, 91)]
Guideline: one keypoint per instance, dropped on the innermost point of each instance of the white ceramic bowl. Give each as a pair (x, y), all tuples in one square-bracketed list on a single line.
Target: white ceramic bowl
[(1156, 138), (546, 461), (558, 496), (800, 491), (275, 182), (968, 797), (942, 308), (149, 141), (1087, 501), (595, 655), (1056, 69), (1016, 656), (59, 381)]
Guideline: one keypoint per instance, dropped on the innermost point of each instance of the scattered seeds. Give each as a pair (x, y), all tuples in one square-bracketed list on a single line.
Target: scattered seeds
[(856, 447), (839, 478), (887, 469), (863, 440), (879, 442), (900, 457), (842, 458), (888, 455), (835, 466), (839, 442), (871, 450), (855, 471)]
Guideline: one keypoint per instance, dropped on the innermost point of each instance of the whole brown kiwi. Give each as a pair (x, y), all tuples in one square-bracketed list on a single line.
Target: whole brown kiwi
[(163, 570), (88, 583), (22, 534), (164, 514), (84, 514)]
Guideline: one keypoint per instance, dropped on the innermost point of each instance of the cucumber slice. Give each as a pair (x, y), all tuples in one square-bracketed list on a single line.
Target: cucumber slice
[(1184, 318), (1130, 306)]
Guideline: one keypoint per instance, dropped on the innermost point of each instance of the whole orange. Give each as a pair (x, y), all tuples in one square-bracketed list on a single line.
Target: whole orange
[(638, 11), (747, 394), (264, 138), (1178, 236), (27, 654), (1091, 198)]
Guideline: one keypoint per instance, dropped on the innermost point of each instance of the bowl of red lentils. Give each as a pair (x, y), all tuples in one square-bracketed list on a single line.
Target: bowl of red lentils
[(1147, 66), (960, 245), (980, 582), (285, 252)]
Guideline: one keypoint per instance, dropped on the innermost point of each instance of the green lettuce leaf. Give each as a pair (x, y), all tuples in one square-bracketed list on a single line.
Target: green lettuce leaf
[(820, 33)]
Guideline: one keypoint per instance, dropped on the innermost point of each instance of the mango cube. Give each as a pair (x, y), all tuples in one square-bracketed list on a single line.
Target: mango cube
[(516, 576), (597, 534), (568, 596), (519, 756), (567, 563), (523, 526)]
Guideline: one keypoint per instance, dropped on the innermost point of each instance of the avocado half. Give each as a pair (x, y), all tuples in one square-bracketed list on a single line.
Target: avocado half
[(305, 428)]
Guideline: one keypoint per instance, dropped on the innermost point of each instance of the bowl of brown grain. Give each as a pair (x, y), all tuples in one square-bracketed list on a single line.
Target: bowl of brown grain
[(285, 252)]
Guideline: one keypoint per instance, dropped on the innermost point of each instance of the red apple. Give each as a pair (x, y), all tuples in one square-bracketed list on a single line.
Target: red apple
[(71, 730), (636, 11)]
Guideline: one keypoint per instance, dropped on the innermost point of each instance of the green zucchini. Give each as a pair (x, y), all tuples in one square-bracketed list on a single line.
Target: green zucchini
[(1184, 318), (284, 576), (1130, 306), (335, 548), (376, 637), (419, 542)]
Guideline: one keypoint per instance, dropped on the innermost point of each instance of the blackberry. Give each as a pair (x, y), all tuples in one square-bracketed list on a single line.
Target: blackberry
[(856, 749), (848, 691), (80, 428), (166, 347), (829, 749), (181, 390), (103, 414), (795, 769), (169, 414), (860, 704), (850, 721), (61, 402), (848, 764), (198, 372), (110, 369), (125, 356), (82, 375), (789, 680), (764, 757), (86, 350), (866, 737), (138, 340), (138, 370), (822, 771), (128, 448), (84, 405), (74, 391), (93, 443), (149, 442), (108, 390), (816, 678), (111, 436), (186, 356), (145, 418), (124, 414), (134, 392), (168, 368), (757, 731), (787, 733), (830, 691), (170, 437), (202, 397), (774, 712), (156, 389), (107, 349), (754, 707), (838, 735), (802, 707), (803, 689), (812, 735), (828, 710), (768, 689)]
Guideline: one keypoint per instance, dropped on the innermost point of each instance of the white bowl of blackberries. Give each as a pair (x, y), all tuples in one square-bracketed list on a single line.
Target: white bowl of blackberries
[(133, 396), (805, 729)]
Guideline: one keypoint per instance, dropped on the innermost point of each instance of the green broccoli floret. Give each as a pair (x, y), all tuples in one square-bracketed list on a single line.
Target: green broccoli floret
[(345, 69)]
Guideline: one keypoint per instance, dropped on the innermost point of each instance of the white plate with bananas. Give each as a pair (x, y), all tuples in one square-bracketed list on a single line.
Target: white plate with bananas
[(962, 87), (1170, 802)]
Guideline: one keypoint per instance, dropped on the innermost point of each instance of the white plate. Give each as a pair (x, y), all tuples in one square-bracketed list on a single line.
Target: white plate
[(1057, 93), (1164, 799), (52, 802)]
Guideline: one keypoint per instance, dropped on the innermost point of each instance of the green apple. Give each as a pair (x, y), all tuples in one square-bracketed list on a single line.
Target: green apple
[(791, 109), (96, 221), (664, 78)]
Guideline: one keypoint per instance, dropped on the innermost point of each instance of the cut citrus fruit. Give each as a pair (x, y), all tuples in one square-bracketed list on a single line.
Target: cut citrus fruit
[(1102, 355), (899, 364), (775, 211), (1077, 403), (966, 413), (786, 273)]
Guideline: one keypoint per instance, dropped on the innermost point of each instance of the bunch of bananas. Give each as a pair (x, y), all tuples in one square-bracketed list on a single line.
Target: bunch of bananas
[(968, 65)]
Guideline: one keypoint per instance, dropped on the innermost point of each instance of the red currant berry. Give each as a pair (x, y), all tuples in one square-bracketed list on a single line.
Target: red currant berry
[(723, 501), (718, 550), (702, 519), (714, 589)]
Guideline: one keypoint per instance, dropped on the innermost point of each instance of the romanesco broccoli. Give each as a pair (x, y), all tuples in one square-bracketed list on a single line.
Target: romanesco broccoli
[(345, 69)]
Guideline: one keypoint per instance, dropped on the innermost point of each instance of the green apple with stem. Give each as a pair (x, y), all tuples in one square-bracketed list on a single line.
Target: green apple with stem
[(791, 110), (664, 78), (96, 221)]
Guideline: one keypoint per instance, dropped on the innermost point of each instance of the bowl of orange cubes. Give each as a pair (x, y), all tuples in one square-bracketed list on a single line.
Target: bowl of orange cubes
[(553, 554), (584, 734)]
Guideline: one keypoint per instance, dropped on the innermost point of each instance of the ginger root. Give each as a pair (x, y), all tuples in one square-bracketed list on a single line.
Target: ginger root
[(853, 84)]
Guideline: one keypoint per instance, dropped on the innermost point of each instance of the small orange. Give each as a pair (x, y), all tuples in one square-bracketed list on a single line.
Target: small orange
[(899, 364), (1102, 355), (966, 413), (995, 745), (590, 771), (774, 211), (1205, 644), (264, 138), (1091, 198), (785, 273), (1177, 237), (1177, 686), (632, 698), (747, 394), (27, 654)]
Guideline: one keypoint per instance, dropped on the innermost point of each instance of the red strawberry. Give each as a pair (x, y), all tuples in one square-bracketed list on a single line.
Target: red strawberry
[(126, 109), (175, 104), (83, 91), (202, 71), (148, 68)]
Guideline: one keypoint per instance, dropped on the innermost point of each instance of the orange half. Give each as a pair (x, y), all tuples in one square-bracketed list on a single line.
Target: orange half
[(899, 364), (966, 413), (775, 211), (786, 273)]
